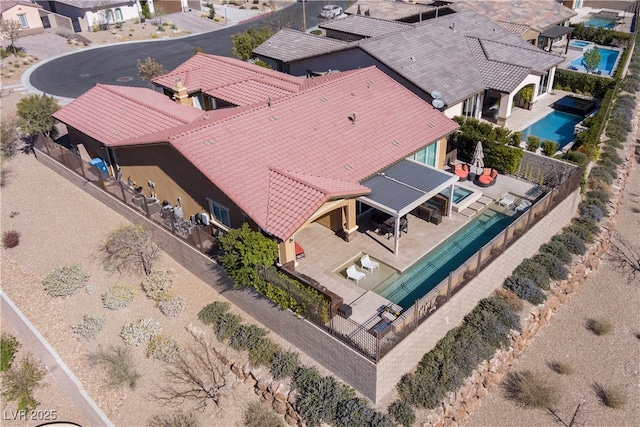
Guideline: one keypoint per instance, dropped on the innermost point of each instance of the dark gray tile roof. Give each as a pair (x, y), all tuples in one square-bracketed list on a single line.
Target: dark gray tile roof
[(536, 59), (496, 75), (292, 45), (389, 9), (517, 29), (365, 26)]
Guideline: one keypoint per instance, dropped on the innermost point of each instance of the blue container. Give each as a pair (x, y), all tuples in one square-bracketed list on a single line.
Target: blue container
[(100, 165)]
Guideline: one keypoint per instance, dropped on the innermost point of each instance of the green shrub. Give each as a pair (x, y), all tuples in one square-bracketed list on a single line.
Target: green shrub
[(304, 378), (582, 83), (118, 296), (320, 403), (576, 157), (602, 174), (613, 397), (283, 364), (533, 142), (9, 345), (611, 155), (553, 264), (226, 326), (549, 148), (573, 243), (525, 289), (316, 32), (19, 383), (354, 412), (65, 280), (90, 326), (590, 213), (599, 326), (258, 415), (530, 390), (163, 347), (141, 331), (120, 366), (533, 270), (247, 337), (562, 368), (158, 285), (263, 352), (557, 249), (510, 297), (579, 229), (178, 419), (402, 413), (210, 313), (173, 305)]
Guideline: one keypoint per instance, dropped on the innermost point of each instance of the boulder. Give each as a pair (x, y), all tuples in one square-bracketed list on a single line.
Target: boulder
[(273, 386), (279, 407), (282, 393), (237, 370), (460, 415), (290, 421), (482, 391), (249, 381), (267, 397), (472, 404)]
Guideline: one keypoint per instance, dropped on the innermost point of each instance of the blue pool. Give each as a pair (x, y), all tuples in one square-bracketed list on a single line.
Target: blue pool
[(435, 266), (459, 194), (556, 126), (608, 59), (600, 23), (580, 43)]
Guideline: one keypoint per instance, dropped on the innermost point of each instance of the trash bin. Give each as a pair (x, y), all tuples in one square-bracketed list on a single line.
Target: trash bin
[(99, 164)]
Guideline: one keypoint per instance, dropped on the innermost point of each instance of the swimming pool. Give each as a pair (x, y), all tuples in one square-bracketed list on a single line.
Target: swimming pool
[(435, 266), (459, 194), (556, 126), (600, 23), (580, 43), (608, 58)]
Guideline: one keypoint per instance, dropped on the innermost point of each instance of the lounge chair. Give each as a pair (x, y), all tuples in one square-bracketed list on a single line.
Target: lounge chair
[(368, 264), (507, 200), (354, 274), (523, 205), (461, 170), (487, 178)]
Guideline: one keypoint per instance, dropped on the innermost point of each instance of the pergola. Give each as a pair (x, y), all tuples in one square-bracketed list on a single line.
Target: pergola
[(403, 187), (554, 32)]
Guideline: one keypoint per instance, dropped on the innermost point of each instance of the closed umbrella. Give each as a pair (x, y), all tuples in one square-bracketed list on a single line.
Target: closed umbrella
[(478, 158)]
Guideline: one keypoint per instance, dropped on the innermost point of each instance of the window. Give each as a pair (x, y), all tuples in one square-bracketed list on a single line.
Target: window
[(470, 107), (219, 212), (427, 155), (23, 21), (118, 15), (109, 16), (544, 83)]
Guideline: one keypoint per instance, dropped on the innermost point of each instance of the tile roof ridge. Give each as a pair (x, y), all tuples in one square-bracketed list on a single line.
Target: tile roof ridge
[(111, 89), (259, 70), (484, 53), (293, 176)]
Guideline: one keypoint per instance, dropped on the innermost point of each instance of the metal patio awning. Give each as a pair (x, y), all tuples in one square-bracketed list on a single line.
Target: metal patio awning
[(556, 31)]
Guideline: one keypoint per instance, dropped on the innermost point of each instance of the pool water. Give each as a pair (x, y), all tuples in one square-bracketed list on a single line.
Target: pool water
[(435, 266), (608, 59), (600, 23), (556, 126), (579, 43), (459, 194)]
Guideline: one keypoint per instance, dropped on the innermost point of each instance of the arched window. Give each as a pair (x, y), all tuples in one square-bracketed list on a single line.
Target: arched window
[(109, 15), (118, 15)]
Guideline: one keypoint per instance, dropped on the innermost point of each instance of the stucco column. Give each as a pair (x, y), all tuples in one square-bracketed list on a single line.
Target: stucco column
[(349, 220), (287, 251), (505, 108)]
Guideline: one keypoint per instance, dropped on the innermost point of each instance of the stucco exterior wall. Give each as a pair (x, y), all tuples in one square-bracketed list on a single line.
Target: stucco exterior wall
[(31, 14), (406, 355)]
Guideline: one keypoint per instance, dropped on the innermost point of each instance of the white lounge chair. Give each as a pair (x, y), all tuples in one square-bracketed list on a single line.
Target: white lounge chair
[(523, 205), (368, 264), (507, 200), (354, 274)]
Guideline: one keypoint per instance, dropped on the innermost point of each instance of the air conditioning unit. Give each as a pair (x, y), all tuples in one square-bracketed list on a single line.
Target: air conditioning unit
[(204, 218)]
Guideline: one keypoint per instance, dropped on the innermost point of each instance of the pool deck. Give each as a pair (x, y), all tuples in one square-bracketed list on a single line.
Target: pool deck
[(326, 253), (521, 118)]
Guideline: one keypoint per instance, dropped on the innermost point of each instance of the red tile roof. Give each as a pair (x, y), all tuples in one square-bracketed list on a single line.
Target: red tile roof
[(237, 82), (111, 114)]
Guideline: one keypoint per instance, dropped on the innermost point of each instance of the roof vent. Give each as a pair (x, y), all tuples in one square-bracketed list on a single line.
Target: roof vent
[(353, 118), (348, 166), (208, 142), (395, 142), (453, 26), (413, 58)]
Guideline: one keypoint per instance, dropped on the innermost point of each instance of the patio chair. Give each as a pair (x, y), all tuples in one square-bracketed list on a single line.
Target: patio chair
[(354, 274), (368, 264), (461, 170), (299, 251), (507, 200), (523, 205)]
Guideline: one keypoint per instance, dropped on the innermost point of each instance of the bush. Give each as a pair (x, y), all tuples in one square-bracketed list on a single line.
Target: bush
[(316, 32), (573, 243), (175, 419), (136, 333), (530, 390), (262, 352), (510, 297), (553, 264), (131, 247), (533, 142), (531, 269), (354, 412), (90, 326), (10, 239), (118, 296), (120, 366), (304, 378), (65, 281), (576, 157), (562, 368), (258, 415), (247, 337), (601, 174), (549, 148), (579, 229), (611, 155), (158, 284), (613, 397), (19, 383), (319, 403), (227, 326), (163, 347), (599, 326), (557, 249), (284, 364), (525, 289), (590, 213), (210, 313), (9, 345), (402, 413), (173, 305)]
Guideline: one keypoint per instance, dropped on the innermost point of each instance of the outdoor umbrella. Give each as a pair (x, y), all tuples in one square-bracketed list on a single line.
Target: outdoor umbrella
[(478, 158)]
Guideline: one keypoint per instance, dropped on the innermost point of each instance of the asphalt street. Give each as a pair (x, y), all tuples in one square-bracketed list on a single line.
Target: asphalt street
[(71, 75)]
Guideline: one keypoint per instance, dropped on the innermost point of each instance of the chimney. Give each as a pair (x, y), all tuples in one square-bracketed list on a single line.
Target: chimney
[(180, 95)]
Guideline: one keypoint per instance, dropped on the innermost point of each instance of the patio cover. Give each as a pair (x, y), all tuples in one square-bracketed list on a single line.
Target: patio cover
[(556, 31), (403, 187)]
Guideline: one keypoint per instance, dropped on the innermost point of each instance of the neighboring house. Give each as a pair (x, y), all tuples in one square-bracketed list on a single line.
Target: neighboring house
[(24, 12), (540, 22), (287, 156), (89, 15), (399, 11), (473, 65)]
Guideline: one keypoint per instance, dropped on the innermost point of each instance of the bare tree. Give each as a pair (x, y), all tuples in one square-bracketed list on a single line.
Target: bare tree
[(131, 247), (625, 256), (199, 374), (10, 30), (149, 69)]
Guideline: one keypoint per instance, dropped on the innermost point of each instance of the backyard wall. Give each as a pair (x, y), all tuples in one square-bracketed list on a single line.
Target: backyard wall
[(406, 355)]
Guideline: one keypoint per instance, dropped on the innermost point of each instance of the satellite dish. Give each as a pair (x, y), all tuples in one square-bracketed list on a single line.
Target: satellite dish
[(436, 94), (437, 103)]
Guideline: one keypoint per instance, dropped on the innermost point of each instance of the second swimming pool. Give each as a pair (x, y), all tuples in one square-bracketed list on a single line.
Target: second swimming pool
[(556, 126)]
